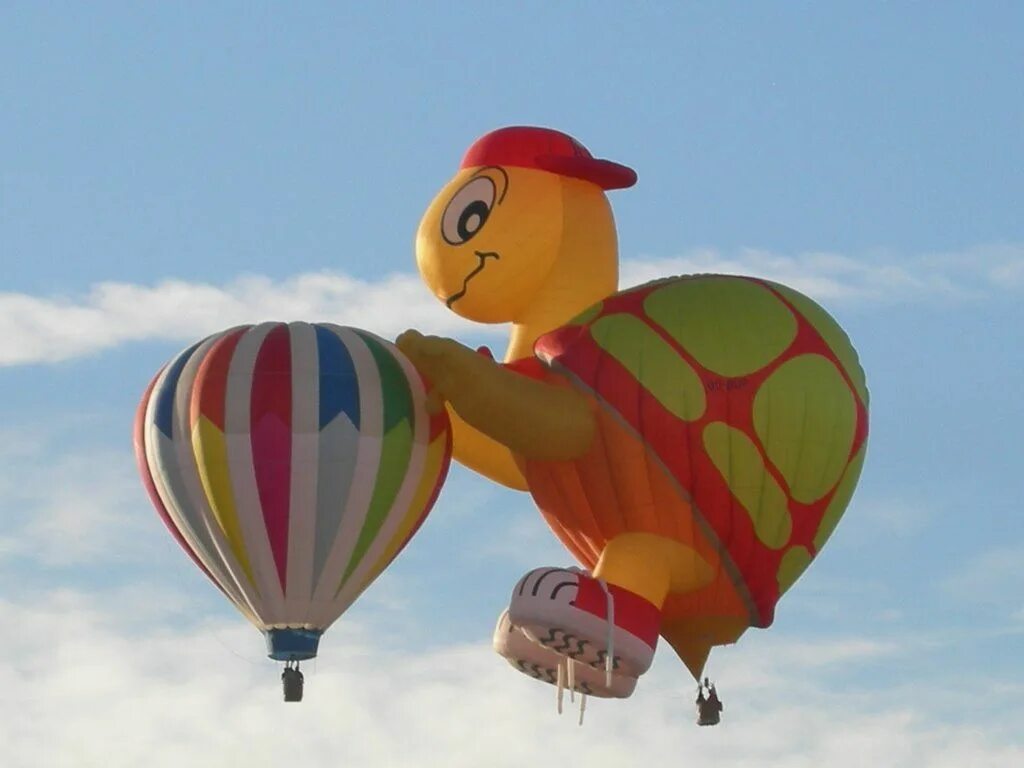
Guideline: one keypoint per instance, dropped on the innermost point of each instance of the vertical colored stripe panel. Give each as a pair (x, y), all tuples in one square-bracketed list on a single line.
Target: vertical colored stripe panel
[(206, 419), (270, 414), (139, 444), (339, 440), (339, 388), (302, 503), (426, 492), (336, 469), (209, 390), (395, 451), (399, 507), (172, 463), (164, 398), (212, 462), (243, 474), (353, 508), (196, 503), (173, 468)]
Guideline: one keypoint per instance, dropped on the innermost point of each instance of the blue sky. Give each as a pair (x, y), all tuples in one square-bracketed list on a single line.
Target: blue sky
[(169, 171)]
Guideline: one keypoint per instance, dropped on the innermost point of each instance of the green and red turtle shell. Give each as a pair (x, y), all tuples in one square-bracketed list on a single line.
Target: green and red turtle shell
[(749, 394)]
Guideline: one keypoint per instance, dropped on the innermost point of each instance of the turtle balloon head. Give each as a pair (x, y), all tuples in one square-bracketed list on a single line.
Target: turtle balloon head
[(524, 221)]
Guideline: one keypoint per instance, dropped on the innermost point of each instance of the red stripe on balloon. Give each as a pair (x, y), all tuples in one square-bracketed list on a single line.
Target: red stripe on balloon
[(210, 386), (270, 414)]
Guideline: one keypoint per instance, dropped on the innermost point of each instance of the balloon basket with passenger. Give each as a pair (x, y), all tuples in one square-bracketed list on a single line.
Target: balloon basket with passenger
[(292, 646)]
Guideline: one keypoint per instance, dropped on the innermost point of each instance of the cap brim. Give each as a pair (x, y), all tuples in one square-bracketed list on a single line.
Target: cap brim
[(606, 174)]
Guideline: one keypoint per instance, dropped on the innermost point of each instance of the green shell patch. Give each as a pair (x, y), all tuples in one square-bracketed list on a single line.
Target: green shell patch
[(794, 563), (653, 362), (844, 492), (737, 459), (731, 326), (805, 417), (832, 334)]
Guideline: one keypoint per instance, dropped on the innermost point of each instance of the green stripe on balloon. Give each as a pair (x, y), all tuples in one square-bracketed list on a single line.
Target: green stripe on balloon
[(396, 448)]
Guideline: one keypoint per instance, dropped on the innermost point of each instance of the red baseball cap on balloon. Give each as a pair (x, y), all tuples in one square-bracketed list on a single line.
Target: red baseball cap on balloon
[(546, 150)]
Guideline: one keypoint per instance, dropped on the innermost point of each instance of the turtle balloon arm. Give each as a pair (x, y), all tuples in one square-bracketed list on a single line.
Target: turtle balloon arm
[(530, 418)]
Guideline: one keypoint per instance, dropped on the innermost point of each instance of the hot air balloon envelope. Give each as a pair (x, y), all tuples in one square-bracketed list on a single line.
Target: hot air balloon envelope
[(292, 462)]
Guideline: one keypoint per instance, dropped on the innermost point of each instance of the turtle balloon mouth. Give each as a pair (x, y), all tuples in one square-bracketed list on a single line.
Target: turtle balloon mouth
[(483, 256)]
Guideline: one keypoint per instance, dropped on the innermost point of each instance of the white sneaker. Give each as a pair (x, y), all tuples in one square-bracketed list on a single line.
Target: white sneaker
[(543, 664), (584, 619)]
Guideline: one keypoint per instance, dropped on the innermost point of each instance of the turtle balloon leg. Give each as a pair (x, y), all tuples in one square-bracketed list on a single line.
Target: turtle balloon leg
[(608, 620)]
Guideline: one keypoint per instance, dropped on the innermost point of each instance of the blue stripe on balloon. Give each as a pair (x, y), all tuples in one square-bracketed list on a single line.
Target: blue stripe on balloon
[(339, 388), (164, 411)]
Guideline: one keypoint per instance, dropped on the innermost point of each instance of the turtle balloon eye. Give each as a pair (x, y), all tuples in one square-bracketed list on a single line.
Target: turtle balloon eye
[(467, 211)]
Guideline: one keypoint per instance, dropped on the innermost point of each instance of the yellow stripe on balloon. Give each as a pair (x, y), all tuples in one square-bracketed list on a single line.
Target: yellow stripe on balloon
[(431, 470), (211, 454)]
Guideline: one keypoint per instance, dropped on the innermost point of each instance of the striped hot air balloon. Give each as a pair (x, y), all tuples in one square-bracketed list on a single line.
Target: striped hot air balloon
[(292, 462)]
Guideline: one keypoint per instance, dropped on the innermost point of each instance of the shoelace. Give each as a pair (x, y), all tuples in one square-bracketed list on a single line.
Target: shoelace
[(609, 660), (566, 673), (566, 676)]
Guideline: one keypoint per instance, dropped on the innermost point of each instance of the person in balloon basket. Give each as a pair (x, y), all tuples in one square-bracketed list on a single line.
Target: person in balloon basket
[(292, 681), (709, 708)]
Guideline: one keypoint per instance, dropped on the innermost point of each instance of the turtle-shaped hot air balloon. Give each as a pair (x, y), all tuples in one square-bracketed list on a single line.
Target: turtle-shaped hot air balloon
[(692, 441)]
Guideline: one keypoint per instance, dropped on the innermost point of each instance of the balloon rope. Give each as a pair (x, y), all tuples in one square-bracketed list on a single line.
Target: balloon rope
[(570, 668), (561, 686), (610, 610)]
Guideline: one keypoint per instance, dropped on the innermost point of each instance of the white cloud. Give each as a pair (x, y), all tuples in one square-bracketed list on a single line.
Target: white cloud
[(62, 507), (46, 329), (86, 684), (832, 277), (49, 329)]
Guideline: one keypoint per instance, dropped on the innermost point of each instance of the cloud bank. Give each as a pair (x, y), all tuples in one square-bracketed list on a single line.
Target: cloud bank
[(51, 329), (48, 329), (63, 507), (86, 684), (876, 278)]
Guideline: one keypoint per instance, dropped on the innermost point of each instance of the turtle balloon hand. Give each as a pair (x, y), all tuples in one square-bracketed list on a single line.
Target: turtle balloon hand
[(432, 356)]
